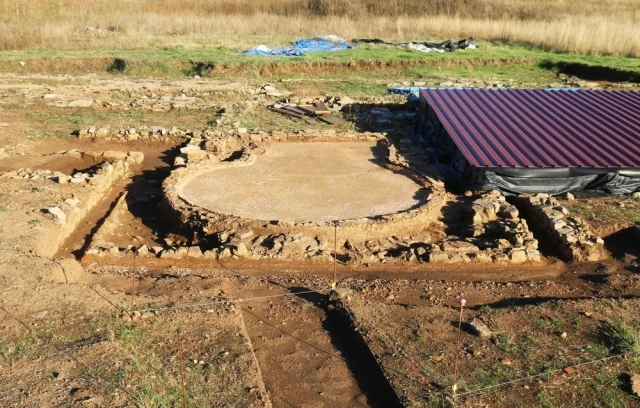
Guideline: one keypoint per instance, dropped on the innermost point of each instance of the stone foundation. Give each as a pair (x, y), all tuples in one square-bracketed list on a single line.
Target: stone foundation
[(497, 232), (572, 235), (68, 214)]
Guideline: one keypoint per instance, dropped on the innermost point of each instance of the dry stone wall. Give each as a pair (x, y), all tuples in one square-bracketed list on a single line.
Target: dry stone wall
[(208, 223), (258, 239), (497, 234), (68, 215), (572, 235), (145, 134)]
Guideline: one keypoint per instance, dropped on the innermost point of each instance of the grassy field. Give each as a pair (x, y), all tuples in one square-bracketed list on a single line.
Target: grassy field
[(589, 26), (365, 66)]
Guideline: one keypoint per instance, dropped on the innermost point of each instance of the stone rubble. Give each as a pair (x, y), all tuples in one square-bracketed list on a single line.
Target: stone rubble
[(70, 212), (572, 235), (88, 177), (144, 133), (497, 234)]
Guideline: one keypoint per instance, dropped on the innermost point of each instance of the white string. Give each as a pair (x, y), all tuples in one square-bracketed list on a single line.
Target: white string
[(223, 301), (484, 389)]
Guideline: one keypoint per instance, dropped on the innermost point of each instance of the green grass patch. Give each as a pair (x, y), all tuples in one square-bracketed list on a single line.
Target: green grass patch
[(606, 211), (24, 348), (517, 62), (620, 337)]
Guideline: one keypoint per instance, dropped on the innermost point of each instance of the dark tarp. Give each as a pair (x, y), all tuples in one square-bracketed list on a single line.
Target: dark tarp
[(609, 183), (448, 45)]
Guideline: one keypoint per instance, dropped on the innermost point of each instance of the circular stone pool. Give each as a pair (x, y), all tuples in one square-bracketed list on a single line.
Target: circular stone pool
[(307, 182)]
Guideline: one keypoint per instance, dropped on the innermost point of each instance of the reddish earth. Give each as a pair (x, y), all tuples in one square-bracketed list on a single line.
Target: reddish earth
[(69, 335)]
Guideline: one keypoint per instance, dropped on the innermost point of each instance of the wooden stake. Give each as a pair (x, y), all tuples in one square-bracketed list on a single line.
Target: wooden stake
[(184, 390), (455, 367), (335, 251), (133, 278)]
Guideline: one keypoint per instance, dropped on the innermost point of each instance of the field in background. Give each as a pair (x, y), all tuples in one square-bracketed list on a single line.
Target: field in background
[(589, 26)]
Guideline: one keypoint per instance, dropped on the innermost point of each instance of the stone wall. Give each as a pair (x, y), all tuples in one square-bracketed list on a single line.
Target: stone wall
[(207, 223), (497, 234), (70, 213), (144, 133), (571, 234), (216, 145), (235, 236)]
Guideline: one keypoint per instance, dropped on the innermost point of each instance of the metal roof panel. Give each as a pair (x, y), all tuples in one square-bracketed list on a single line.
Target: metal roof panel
[(541, 128)]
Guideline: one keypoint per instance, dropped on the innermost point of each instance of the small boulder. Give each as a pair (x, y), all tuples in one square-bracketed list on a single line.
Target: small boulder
[(459, 246), (80, 103), (114, 155), (61, 178), (339, 294), (241, 250), (479, 328), (182, 252), (58, 214), (194, 252), (518, 256), (179, 161), (245, 234), (635, 384), (136, 157), (102, 133)]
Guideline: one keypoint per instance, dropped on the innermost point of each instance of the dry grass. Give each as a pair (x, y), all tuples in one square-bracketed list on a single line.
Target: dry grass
[(589, 26)]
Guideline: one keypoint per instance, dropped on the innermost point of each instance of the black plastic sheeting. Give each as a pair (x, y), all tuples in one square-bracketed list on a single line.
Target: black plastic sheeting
[(459, 174), (608, 183), (448, 45)]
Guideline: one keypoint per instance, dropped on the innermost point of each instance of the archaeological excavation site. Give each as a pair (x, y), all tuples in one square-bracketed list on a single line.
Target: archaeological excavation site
[(227, 243)]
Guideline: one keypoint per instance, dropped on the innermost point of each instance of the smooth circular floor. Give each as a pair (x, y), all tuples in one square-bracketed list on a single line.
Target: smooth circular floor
[(306, 182)]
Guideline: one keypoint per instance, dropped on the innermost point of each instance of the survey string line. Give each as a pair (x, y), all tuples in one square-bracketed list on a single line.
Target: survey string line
[(225, 301), (68, 354), (485, 389)]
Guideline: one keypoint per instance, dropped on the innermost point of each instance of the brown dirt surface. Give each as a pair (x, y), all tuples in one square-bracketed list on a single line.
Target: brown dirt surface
[(69, 335), (536, 328)]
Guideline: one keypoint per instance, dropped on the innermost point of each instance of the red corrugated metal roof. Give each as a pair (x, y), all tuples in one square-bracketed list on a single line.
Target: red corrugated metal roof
[(541, 128)]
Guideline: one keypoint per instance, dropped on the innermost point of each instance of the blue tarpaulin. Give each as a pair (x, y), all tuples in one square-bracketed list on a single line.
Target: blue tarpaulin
[(410, 91), (300, 47)]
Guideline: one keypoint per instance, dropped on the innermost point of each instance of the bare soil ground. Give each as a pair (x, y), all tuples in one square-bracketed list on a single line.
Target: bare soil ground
[(540, 330), (264, 333)]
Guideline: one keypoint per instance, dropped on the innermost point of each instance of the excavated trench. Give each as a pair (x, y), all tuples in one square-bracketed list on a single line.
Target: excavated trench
[(307, 337), (142, 193), (308, 350)]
